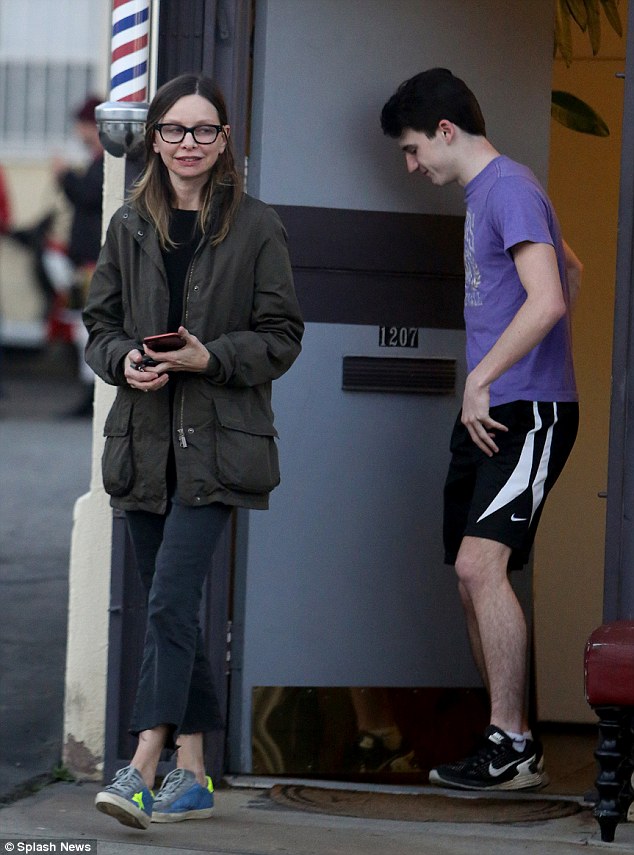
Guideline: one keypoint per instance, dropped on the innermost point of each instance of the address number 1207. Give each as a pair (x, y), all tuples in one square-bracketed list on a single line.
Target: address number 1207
[(398, 336)]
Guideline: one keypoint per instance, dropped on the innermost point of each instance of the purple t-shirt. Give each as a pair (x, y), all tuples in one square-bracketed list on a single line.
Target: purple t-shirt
[(505, 206)]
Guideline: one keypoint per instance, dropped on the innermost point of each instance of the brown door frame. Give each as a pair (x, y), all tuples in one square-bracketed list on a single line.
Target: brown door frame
[(619, 548)]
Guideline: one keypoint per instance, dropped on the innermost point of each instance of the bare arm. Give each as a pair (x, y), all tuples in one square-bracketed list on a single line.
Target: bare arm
[(536, 264), (574, 272)]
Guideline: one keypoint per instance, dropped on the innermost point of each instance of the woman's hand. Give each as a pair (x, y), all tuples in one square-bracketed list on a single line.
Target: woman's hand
[(145, 378), (193, 356)]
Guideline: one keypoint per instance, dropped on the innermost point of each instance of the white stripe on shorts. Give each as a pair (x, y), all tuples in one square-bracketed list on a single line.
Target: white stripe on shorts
[(520, 477)]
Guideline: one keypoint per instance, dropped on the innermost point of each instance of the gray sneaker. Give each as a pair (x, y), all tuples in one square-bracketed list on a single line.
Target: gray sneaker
[(127, 799), (182, 797)]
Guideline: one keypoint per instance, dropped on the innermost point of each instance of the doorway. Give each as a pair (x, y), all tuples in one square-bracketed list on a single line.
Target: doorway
[(584, 179)]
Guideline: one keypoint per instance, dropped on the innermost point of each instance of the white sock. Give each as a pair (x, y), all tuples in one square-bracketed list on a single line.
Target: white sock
[(519, 739)]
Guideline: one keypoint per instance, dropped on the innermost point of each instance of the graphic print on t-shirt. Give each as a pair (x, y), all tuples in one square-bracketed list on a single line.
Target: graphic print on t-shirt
[(472, 293)]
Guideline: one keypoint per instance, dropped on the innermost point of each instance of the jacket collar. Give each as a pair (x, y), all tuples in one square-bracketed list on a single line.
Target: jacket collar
[(143, 233)]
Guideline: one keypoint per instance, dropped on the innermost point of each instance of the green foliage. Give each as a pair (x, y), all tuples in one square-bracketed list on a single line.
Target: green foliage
[(575, 114), (61, 773), (586, 14)]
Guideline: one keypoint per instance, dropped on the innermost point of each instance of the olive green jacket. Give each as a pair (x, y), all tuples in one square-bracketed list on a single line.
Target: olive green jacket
[(240, 302)]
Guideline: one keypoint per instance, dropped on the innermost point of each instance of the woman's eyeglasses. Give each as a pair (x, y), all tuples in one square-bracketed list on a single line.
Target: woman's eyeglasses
[(202, 134)]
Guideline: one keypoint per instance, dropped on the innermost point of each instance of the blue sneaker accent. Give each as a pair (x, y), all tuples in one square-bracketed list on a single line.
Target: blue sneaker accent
[(182, 797), (127, 799)]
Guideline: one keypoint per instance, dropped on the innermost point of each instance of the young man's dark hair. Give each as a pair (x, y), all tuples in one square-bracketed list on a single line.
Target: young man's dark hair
[(422, 101)]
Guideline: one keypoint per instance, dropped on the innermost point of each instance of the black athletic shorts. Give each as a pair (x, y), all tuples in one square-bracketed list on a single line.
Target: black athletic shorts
[(501, 497)]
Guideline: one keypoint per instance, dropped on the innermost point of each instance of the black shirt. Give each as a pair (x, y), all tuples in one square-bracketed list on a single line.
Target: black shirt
[(185, 233)]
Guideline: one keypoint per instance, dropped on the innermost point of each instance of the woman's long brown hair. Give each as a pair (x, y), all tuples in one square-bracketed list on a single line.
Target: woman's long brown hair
[(152, 194)]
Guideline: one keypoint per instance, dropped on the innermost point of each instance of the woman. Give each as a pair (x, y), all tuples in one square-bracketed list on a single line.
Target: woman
[(190, 434)]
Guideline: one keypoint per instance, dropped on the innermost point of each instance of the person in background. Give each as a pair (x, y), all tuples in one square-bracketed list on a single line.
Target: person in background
[(84, 190), (519, 414), (190, 434), (5, 222)]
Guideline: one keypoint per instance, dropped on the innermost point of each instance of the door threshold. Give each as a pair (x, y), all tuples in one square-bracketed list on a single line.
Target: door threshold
[(267, 782)]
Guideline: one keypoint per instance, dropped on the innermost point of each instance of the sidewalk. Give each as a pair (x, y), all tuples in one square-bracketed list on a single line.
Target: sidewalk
[(247, 822), (44, 468)]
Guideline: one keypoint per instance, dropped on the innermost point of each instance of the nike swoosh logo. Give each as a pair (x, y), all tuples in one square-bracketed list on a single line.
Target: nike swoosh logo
[(518, 519), (495, 773)]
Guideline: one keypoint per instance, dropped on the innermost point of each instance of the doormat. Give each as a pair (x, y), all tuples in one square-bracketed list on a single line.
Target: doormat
[(420, 807)]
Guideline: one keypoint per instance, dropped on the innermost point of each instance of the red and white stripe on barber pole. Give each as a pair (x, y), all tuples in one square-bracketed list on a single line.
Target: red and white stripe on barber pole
[(130, 50)]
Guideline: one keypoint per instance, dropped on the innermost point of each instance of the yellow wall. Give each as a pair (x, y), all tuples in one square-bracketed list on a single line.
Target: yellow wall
[(569, 552)]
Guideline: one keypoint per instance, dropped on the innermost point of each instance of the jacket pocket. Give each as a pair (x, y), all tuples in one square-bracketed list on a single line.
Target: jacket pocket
[(117, 461), (246, 452)]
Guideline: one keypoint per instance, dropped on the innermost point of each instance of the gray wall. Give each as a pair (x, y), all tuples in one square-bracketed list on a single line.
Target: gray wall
[(346, 568), (342, 582), (324, 68)]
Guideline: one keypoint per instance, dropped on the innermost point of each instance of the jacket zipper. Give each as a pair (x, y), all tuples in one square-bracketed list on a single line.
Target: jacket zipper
[(181, 430)]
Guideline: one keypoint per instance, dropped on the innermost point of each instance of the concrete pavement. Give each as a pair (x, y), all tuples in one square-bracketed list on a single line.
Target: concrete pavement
[(247, 822), (44, 468)]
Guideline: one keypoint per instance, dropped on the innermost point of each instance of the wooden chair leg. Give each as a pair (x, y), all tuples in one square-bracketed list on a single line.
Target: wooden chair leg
[(627, 793), (613, 755)]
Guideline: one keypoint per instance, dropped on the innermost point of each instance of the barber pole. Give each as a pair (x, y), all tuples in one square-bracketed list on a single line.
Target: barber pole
[(130, 50)]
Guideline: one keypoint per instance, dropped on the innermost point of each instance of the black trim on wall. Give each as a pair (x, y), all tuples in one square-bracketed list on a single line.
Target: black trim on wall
[(618, 597), (348, 297), (187, 30), (376, 267)]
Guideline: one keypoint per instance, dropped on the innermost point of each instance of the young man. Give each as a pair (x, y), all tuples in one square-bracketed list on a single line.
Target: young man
[(519, 411)]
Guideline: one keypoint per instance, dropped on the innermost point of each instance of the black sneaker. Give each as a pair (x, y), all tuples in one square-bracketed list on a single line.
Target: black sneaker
[(495, 766), (372, 755)]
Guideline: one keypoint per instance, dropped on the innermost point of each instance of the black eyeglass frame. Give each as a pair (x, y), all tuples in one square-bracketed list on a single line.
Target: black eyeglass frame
[(160, 125)]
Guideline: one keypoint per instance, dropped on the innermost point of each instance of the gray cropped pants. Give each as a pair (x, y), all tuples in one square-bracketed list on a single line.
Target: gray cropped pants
[(173, 553)]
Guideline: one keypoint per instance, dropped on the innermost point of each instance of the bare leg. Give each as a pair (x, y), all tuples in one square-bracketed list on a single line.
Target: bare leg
[(474, 635), (497, 628), (374, 715), (190, 755), (372, 708), (148, 753)]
